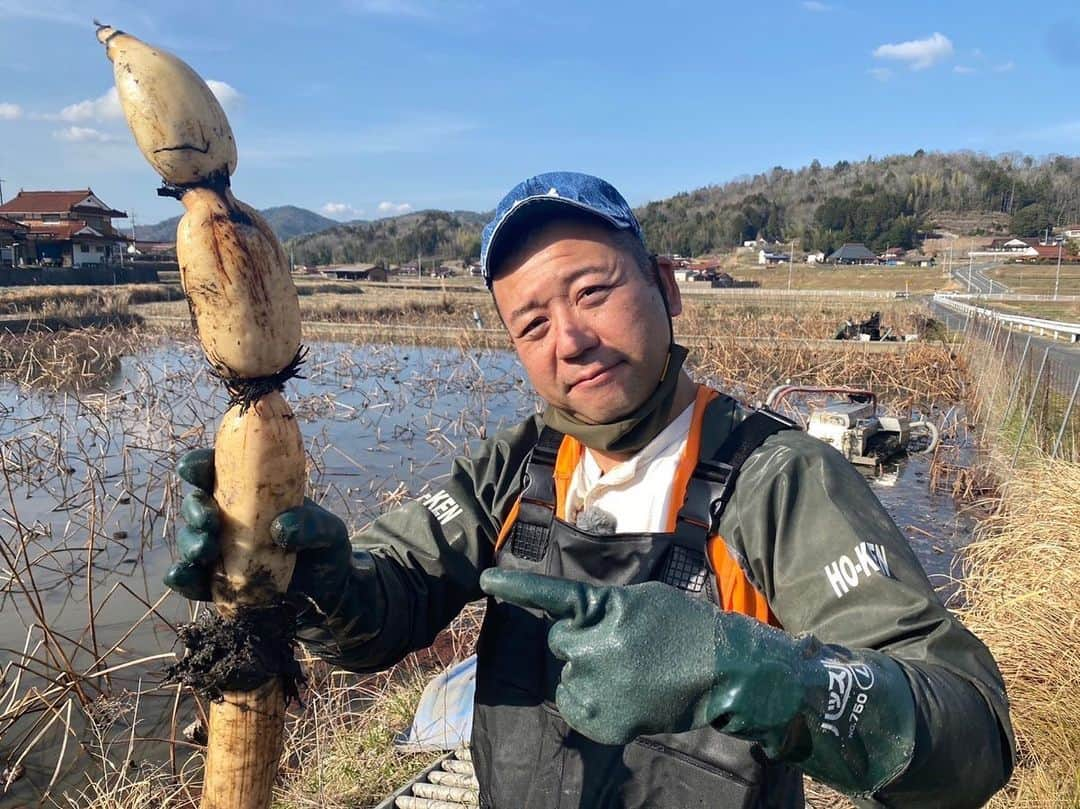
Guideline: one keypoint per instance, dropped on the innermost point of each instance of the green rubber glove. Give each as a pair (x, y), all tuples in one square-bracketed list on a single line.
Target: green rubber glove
[(331, 584), (649, 659)]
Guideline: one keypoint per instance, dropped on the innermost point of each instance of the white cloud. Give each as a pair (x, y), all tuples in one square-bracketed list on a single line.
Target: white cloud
[(82, 134), (228, 95), (106, 107), (1005, 67), (340, 210), (394, 207), (919, 54), (9, 112), (880, 73), (964, 70), (816, 6), (103, 108)]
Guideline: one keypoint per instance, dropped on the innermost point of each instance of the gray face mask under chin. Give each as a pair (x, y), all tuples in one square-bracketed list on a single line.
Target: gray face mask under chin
[(635, 430)]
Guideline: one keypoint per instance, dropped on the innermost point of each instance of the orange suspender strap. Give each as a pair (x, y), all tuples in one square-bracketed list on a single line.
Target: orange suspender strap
[(569, 455), (685, 470), (508, 524), (737, 594)]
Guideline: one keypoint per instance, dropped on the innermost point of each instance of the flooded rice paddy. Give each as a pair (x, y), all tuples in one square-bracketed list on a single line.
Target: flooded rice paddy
[(88, 505)]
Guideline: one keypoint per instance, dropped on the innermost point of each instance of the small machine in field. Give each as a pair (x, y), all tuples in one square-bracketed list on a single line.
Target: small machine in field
[(847, 419)]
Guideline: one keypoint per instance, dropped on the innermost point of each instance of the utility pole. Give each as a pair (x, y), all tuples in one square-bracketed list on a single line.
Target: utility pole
[(2, 181), (790, 264), (971, 260), (1057, 275)]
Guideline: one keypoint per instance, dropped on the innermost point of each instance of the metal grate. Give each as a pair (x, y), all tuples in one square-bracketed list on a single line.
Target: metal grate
[(685, 568), (528, 542)]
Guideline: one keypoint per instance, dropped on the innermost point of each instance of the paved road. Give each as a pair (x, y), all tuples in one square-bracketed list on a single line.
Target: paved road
[(974, 280), (1066, 355)]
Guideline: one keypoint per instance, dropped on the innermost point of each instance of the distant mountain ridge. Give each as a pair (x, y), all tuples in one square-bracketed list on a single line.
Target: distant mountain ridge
[(287, 222), (891, 201)]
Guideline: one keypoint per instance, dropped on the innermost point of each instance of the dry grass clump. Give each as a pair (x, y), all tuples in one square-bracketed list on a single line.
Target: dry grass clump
[(82, 301), (1022, 593), (141, 786), (341, 751), (431, 310), (708, 315), (340, 747), (74, 360), (924, 373)]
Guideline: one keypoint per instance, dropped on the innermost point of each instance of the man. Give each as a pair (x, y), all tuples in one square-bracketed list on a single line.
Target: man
[(689, 604)]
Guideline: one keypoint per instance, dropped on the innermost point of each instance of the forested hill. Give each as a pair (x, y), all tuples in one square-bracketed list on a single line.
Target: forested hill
[(445, 235), (882, 202), (287, 221)]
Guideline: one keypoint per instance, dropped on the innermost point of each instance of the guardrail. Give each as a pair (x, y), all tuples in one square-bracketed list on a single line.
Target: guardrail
[(701, 288), (1005, 297), (1070, 331)]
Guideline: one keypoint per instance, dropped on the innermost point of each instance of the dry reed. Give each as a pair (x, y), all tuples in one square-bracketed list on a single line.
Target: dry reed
[(75, 360), (79, 301), (923, 373), (1022, 594)]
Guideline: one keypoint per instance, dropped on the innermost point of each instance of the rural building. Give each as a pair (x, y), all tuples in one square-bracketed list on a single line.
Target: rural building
[(815, 257), (893, 256), (1071, 232), (853, 254), (356, 272), (66, 228), (1048, 252), (1013, 244), (11, 234), (917, 260), (768, 257)]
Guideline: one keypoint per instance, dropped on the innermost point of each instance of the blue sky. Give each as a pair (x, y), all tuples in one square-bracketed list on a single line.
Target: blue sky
[(363, 108)]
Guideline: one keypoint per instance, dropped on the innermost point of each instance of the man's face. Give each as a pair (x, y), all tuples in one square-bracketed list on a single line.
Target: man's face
[(589, 326)]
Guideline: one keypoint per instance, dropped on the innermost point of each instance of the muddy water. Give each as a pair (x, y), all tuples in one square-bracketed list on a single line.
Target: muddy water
[(87, 488)]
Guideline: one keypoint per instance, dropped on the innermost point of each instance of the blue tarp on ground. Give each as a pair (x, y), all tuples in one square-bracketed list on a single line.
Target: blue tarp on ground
[(443, 719)]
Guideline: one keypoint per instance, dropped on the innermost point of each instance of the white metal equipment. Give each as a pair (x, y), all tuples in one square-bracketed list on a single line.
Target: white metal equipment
[(849, 422)]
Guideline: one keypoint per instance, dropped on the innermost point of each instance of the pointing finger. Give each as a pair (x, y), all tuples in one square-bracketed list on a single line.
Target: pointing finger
[(559, 598)]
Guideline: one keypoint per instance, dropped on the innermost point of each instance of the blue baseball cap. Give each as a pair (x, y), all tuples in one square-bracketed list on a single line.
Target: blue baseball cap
[(532, 201)]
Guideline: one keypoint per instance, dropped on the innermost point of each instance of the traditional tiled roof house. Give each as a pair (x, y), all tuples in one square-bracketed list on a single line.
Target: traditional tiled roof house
[(66, 228)]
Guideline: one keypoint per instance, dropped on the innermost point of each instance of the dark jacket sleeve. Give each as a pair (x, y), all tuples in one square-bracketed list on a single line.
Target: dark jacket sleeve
[(427, 556), (813, 538)]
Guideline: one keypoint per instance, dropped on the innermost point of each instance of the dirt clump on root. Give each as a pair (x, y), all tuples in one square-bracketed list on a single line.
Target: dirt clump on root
[(238, 654)]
